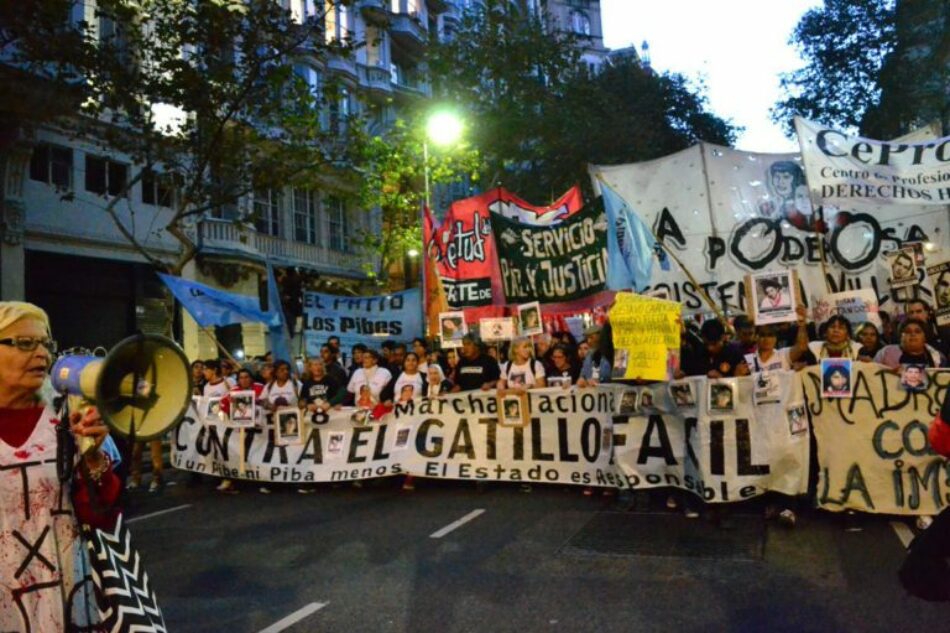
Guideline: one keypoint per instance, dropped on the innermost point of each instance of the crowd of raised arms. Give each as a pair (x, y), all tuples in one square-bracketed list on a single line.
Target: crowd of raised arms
[(371, 379)]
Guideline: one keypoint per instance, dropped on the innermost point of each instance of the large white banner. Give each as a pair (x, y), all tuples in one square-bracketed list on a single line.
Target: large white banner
[(721, 455), (851, 169), (570, 438), (727, 213), (873, 451)]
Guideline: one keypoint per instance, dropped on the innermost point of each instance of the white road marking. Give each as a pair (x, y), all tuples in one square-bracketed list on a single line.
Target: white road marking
[(294, 617), (904, 533), (159, 513), (457, 524)]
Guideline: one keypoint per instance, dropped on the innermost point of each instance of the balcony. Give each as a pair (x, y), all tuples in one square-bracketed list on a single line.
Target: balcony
[(343, 66), (408, 32), (374, 11), (223, 237), (375, 79)]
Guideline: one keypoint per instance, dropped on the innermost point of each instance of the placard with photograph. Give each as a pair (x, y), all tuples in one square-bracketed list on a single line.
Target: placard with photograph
[(629, 402), (562, 382), (513, 409), (212, 410), (403, 433), (939, 275), (797, 420), (766, 388), (914, 378), (452, 328), (620, 363), (243, 408), (646, 403), (902, 266), (335, 443), (682, 394), (722, 396), (287, 424), (529, 318), (772, 297), (495, 330), (836, 377)]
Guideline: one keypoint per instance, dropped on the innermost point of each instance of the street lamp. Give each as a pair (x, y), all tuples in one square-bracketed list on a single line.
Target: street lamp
[(444, 128)]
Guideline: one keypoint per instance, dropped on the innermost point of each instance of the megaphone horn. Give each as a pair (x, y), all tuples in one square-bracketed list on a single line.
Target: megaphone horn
[(142, 387)]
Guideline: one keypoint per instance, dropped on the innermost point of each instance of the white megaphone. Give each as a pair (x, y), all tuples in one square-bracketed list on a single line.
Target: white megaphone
[(142, 387)]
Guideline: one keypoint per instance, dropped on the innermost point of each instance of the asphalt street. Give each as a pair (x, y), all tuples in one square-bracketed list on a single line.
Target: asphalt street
[(379, 559)]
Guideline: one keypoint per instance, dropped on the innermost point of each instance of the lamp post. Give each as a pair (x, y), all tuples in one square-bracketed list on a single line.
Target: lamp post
[(443, 129)]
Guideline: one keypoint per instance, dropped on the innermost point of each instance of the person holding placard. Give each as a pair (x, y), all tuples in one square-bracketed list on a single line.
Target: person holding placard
[(765, 356), (371, 375), (599, 363)]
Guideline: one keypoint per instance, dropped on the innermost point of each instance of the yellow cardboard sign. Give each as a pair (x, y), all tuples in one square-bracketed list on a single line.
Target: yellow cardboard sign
[(647, 329)]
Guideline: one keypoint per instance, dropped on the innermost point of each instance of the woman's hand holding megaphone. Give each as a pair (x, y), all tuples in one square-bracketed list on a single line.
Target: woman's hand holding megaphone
[(87, 423)]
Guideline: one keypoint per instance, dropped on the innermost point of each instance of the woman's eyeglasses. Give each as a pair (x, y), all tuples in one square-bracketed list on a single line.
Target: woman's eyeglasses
[(29, 343)]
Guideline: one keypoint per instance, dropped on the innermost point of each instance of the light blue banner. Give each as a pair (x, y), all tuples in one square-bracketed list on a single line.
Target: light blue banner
[(211, 307), (367, 320)]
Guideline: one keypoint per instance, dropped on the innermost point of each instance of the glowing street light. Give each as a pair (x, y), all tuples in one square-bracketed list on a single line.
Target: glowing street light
[(444, 128)]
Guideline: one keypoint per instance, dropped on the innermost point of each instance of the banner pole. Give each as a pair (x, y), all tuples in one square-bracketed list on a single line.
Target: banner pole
[(221, 347)]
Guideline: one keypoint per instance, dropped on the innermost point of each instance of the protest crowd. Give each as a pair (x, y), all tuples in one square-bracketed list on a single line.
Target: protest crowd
[(371, 382)]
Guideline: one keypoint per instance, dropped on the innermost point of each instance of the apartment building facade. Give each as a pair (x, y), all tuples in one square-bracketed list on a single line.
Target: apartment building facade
[(62, 251)]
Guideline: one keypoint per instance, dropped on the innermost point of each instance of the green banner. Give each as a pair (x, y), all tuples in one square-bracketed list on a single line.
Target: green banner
[(553, 264)]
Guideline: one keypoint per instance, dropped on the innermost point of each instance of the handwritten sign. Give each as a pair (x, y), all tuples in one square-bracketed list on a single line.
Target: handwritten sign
[(647, 330)]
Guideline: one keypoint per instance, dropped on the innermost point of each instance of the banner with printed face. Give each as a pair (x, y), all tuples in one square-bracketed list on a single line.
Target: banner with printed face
[(553, 264), (727, 213), (396, 316), (463, 246), (568, 440), (873, 451), (686, 440), (845, 169)]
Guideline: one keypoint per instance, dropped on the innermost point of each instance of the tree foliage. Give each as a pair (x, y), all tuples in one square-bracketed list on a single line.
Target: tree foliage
[(393, 168), (225, 68), (539, 117), (844, 44)]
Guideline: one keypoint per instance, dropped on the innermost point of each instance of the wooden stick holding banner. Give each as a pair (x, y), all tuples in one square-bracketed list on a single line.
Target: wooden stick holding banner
[(221, 347)]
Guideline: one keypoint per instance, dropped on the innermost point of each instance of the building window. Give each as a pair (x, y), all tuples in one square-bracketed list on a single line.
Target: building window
[(376, 46), (340, 111), (52, 165), (306, 227), (105, 176), (580, 23), (157, 189), (337, 20), (267, 212), (302, 10), (336, 216)]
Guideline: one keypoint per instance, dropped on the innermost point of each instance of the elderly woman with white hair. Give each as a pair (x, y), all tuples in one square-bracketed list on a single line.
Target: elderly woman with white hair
[(45, 582), (435, 383)]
